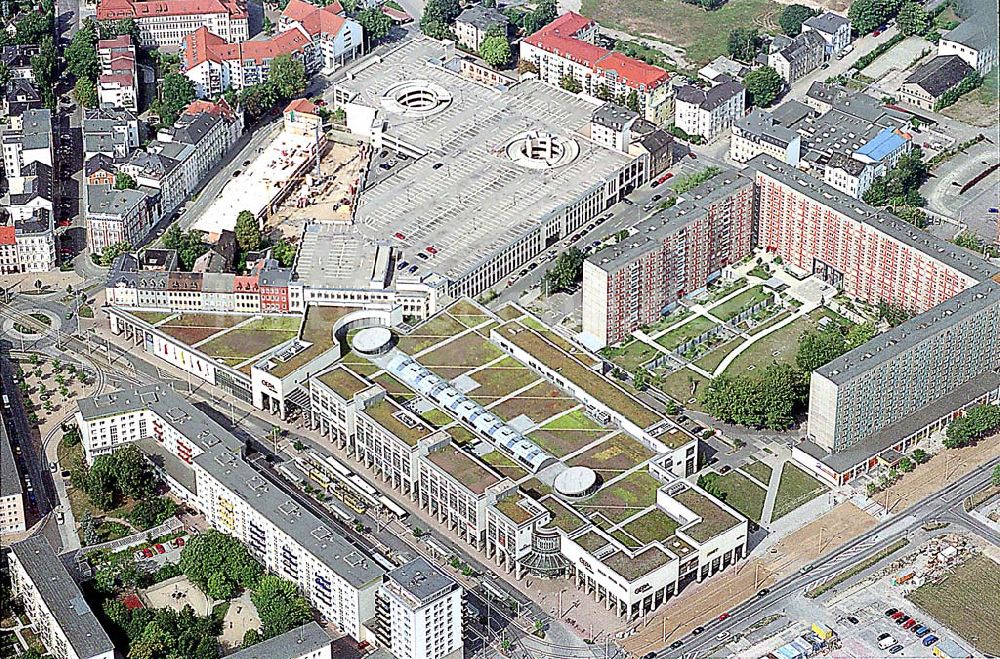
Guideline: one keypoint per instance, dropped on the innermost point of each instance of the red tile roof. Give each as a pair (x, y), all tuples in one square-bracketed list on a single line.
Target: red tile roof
[(303, 105), (124, 79), (297, 10), (8, 235), (559, 38), (220, 108), (119, 9), (123, 41)]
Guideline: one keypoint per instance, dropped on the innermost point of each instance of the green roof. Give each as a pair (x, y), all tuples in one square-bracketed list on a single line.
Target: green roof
[(634, 567), (509, 507), (580, 374), (463, 468), (591, 541), (317, 329), (344, 382), (384, 414), (562, 517), (714, 519)]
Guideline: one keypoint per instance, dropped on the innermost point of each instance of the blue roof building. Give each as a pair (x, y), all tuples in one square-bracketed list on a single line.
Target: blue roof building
[(885, 148)]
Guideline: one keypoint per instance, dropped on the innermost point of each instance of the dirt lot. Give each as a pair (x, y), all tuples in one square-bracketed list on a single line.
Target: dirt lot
[(723, 591), (944, 466), (341, 164)]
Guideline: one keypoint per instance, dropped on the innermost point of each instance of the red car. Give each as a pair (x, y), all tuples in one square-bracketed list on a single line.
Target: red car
[(876, 33), (724, 616), (909, 623), (177, 542), (692, 154), (160, 549), (147, 552), (65, 222)]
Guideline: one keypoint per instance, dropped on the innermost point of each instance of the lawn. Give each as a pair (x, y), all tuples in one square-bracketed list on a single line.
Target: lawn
[(795, 488), (467, 313), (741, 493), (779, 346), (623, 498), (614, 455), (711, 361), (539, 403), (500, 379), (690, 330), (151, 317), (430, 333), (230, 320), (632, 355), (967, 600), (677, 385), (654, 525), (465, 352), (733, 306), (249, 340), (703, 34), (190, 335), (394, 387), (563, 442), (573, 420), (672, 318), (759, 470)]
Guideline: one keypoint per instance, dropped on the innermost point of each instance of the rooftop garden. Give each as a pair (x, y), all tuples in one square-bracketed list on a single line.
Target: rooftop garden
[(387, 414), (463, 468), (344, 382), (634, 567), (714, 519), (317, 329)]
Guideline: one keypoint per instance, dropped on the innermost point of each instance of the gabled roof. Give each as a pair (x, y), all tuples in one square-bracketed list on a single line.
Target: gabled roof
[(303, 105), (827, 23), (121, 9), (297, 10), (709, 99), (202, 46), (315, 20), (939, 75)]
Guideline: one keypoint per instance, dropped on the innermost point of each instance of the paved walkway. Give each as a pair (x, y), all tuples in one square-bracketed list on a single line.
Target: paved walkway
[(772, 493), (803, 310)]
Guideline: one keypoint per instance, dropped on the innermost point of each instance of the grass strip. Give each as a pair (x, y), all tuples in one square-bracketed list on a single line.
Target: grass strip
[(860, 567)]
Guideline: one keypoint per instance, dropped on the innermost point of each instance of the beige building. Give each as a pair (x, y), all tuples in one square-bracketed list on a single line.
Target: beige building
[(11, 495), (474, 24)]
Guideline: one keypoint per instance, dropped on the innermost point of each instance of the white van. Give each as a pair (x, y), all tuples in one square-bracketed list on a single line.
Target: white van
[(885, 641)]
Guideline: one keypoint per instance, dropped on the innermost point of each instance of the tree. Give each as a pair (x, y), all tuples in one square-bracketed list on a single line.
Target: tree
[(248, 235), (438, 17), (570, 84), (213, 553), (640, 379), (906, 465), (85, 92), (256, 99), (375, 23), (177, 92), (495, 51), (793, 16), (565, 272), (911, 214), (769, 400), (763, 86), (284, 252), (43, 67), (189, 245), (893, 314), (603, 92), (279, 606), (111, 252), (4, 72), (124, 181), (81, 54), (112, 29), (151, 512), (288, 76), (996, 476), (976, 423), (250, 637), (866, 15), (912, 19), (632, 101), (32, 28), (818, 347), (544, 13), (744, 44), (88, 530)]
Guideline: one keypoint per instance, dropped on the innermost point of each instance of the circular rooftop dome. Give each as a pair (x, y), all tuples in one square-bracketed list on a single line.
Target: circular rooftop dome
[(576, 482), (416, 98), (372, 341), (541, 150)]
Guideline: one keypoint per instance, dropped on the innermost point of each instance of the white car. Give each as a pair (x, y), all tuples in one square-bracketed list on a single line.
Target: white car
[(886, 641)]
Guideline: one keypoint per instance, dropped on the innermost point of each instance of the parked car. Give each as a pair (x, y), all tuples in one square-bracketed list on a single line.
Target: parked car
[(930, 640), (402, 265), (160, 549), (676, 644), (910, 624), (896, 648), (177, 542), (724, 615), (697, 630), (412, 269), (885, 641), (148, 553), (922, 631), (897, 615), (139, 555), (763, 591), (852, 620)]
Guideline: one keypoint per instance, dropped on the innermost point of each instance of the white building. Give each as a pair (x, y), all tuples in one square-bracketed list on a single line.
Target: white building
[(11, 494), (118, 82), (54, 604), (116, 216), (975, 39), (709, 112), (794, 58), (310, 641), (165, 24), (28, 244), (418, 613), (759, 132), (835, 30), (204, 465), (32, 142), (110, 132)]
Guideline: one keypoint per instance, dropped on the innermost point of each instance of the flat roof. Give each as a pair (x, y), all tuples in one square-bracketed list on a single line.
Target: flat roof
[(714, 519), (294, 643), (421, 580), (847, 459), (471, 473), (973, 267), (384, 414), (338, 255), (479, 201), (62, 597), (343, 381), (634, 566), (650, 233), (317, 331), (888, 345), (222, 458)]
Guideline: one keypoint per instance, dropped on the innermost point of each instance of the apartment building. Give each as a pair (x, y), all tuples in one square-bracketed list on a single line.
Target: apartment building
[(794, 57), (29, 195), (975, 38), (419, 611), (28, 244), (165, 24), (204, 465), (54, 604), (110, 132), (335, 38), (12, 519), (870, 255), (759, 132), (310, 641), (833, 28), (209, 129), (118, 81), (708, 112), (673, 253), (31, 142), (474, 24), (567, 47), (117, 216), (870, 406)]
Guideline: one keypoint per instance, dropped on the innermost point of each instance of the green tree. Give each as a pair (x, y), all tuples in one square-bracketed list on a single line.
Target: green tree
[(769, 400), (565, 272), (604, 93), (438, 17), (495, 51), (32, 28), (570, 84), (894, 315), (112, 251), (996, 476), (375, 23), (818, 347), (124, 181), (279, 605), (189, 245), (906, 465), (248, 235), (257, 99), (176, 93), (911, 214), (975, 424), (913, 19), (763, 86), (284, 252), (288, 76), (866, 15), (744, 44), (793, 16), (81, 54), (112, 29), (250, 637), (4, 73), (544, 13), (212, 553), (43, 68), (85, 92), (632, 101), (640, 379)]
